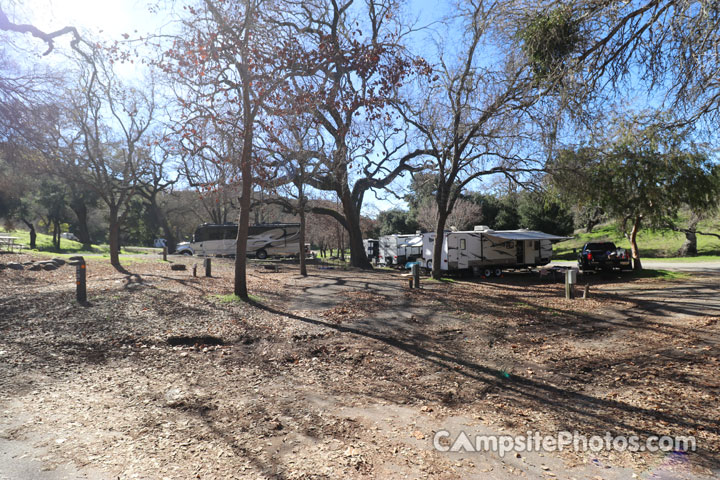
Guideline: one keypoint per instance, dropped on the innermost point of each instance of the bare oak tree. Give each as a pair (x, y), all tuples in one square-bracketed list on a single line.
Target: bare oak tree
[(470, 116)]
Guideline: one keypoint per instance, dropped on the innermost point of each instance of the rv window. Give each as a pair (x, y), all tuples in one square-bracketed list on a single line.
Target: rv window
[(462, 244), (214, 233), (231, 233), (537, 244)]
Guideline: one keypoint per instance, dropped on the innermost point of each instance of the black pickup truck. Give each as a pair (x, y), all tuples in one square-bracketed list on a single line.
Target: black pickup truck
[(603, 256)]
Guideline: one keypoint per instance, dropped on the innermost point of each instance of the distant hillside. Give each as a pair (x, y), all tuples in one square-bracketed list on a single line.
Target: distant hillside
[(652, 244)]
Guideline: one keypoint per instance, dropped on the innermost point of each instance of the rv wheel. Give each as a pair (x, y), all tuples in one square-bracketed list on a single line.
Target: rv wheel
[(498, 272), (261, 254), (428, 264), (487, 273), (187, 252)]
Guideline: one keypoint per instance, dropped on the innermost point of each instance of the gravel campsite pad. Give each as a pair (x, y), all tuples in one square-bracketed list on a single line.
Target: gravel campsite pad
[(349, 374)]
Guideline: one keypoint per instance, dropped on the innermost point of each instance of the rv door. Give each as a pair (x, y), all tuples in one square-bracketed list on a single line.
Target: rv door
[(520, 252), (453, 254), (214, 243), (532, 252)]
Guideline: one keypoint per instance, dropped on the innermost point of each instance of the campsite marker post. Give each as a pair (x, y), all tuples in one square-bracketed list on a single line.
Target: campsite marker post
[(570, 281), (416, 275), (80, 274), (208, 267), (164, 254)]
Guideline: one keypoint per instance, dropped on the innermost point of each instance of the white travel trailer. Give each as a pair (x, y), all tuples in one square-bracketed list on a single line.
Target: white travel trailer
[(372, 249), (412, 247), (488, 252), (388, 250), (272, 239), (396, 249)]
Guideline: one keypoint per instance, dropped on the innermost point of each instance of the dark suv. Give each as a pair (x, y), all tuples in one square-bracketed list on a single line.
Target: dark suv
[(603, 256)]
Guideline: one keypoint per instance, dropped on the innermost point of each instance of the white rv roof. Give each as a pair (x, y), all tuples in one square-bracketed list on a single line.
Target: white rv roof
[(413, 242), (523, 235)]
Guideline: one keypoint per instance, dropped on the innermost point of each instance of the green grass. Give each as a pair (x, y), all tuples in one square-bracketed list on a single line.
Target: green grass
[(698, 259), (232, 298), (332, 253), (652, 244), (43, 242), (524, 305), (439, 280), (44, 246), (661, 274)]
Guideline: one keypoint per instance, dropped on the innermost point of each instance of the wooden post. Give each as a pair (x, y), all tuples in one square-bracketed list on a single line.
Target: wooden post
[(586, 291), (410, 283), (416, 275), (208, 267), (195, 270), (80, 278), (570, 278), (164, 254)]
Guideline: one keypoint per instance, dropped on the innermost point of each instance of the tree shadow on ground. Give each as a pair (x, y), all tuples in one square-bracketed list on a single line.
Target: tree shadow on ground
[(577, 407)]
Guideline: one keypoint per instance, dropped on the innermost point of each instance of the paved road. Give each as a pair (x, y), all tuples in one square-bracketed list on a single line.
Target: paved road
[(704, 267)]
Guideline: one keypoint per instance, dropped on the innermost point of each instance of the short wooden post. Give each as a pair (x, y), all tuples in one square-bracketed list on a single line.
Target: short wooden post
[(416, 275), (164, 254), (586, 291), (195, 270), (410, 282), (208, 267), (80, 278)]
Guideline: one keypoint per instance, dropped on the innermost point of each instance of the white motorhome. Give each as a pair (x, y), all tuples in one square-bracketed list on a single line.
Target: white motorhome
[(488, 252), (272, 239)]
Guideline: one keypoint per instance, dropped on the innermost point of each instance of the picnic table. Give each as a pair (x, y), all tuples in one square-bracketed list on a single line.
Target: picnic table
[(7, 243)]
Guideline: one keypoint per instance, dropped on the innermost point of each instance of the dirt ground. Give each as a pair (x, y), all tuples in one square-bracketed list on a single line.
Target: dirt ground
[(348, 374)]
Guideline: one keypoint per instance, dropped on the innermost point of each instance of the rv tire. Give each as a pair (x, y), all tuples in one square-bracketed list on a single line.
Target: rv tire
[(428, 264), (186, 252), (498, 272), (487, 273), (261, 254)]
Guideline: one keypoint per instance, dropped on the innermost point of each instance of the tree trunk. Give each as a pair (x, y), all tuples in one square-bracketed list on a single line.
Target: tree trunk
[(56, 234), (590, 225), (637, 265), (438, 245), (341, 245), (80, 210), (358, 255), (301, 240), (114, 238), (245, 200), (689, 247), (33, 234)]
